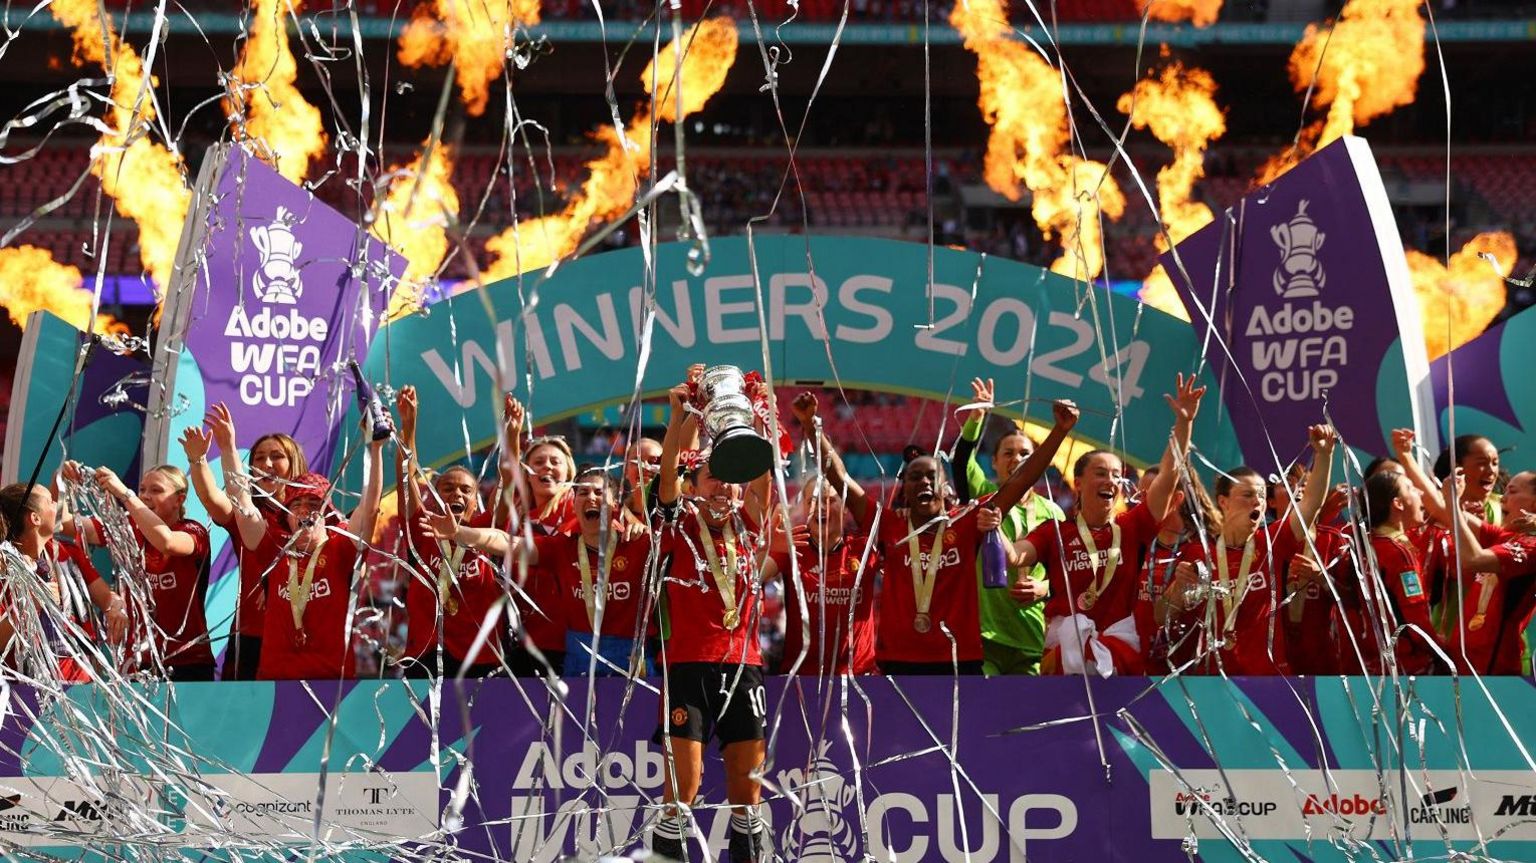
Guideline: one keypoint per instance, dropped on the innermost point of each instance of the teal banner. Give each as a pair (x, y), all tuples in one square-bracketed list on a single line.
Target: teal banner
[(851, 310), (102, 426), (858, 33)]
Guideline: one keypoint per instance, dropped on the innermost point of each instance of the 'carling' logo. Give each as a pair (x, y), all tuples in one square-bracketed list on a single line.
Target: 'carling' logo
[(820, 833), (1300, 273), (277, 280)]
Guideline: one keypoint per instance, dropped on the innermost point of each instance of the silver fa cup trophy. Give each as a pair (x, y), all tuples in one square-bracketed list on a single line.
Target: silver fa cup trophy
[(737, 452)]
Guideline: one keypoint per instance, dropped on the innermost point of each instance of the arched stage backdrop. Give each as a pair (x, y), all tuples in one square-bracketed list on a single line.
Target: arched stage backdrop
[(857, 302)]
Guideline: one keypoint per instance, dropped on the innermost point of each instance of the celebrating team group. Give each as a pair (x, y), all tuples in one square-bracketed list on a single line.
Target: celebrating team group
[(596, 571)]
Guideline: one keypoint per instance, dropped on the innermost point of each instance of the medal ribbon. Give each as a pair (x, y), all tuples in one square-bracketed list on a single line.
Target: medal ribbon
[(1234, 596), (1298, 589), (1101, 579), (924, 578), (451, 560), (725, 581), (298, 590), (588, 595)]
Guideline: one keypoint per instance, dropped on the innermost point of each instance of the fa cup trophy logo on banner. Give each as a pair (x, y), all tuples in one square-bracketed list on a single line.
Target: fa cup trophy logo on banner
[(1300, 274), (737, 452), (820, 833), (277, 280)]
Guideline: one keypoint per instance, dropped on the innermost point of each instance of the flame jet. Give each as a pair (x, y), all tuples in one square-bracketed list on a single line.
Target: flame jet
[(1022, 101)]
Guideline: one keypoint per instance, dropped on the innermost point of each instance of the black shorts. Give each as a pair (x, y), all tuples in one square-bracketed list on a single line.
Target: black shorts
[(701, 702)]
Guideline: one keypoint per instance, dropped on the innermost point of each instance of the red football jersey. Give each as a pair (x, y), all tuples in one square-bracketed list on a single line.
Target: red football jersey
[(625, 600), (475, 588), (1308, 611), (1517, 568), (1155, 576), (1401, 567), (180, 587), (1474, 647), (696, 611), (954, 602), (559, 519), (839, 643), (255, 568), (1059, 546), (325, 653), (1255, 643)]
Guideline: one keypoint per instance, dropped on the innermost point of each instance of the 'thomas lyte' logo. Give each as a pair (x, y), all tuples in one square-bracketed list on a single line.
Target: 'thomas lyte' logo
[(277, 280)]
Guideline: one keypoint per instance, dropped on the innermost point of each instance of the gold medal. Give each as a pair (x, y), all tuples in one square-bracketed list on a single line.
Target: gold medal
[(1477, 622), (1087, 599), (923, 577), (300, 639), (451, 607), (725, 577), (1102, 576)]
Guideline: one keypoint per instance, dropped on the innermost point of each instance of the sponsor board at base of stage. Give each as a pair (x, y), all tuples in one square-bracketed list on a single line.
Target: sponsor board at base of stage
[(1363, 804), (267, 808)]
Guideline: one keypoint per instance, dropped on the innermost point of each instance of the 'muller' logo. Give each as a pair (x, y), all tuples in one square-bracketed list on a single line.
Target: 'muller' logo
[(1517, 804)]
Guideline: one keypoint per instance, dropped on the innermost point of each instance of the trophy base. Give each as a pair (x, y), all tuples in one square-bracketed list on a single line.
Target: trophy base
[(740, 455)]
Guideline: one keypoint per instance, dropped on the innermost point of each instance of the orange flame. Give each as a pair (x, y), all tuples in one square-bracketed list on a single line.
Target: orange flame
[(709, 50), (475, 35), (275, 112), (1021, 100), (31, 280), (1458, 302), (142, 176), (1367, 67), (1201, 13), (1179, 107), (414, 219)]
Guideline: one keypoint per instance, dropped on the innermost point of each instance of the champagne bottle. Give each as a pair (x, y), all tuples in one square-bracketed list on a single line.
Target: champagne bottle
[(369, 405), (994, 560)]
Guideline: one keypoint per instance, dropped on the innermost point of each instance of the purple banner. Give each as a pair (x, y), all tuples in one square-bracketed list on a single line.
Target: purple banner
[(285, 289), (1300, 293)]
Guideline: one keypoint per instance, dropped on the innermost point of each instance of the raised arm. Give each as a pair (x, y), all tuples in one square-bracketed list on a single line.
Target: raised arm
[(1434, 502), (805, 408), (1471, 554), (237, 484), (407, 468), (669, 484), (195, 442), (157, 533), (969, 477), (1323, 438), (1186, 406), (509, 471), (360, 523), (1013, 489)]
